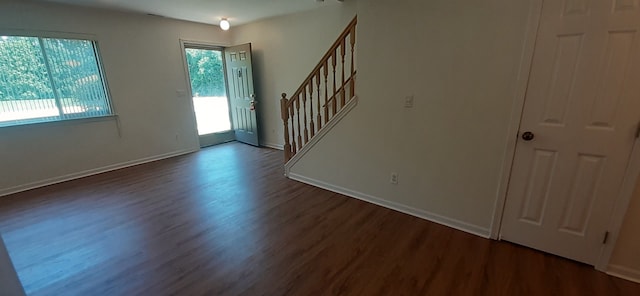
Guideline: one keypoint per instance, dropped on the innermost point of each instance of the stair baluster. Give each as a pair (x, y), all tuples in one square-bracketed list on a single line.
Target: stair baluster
[(294, 147), (352, 85), (297, 124), (312, 126), (318, 96), (304, 111), (298, 116), (326, 92), (334, 105), (342, 93)]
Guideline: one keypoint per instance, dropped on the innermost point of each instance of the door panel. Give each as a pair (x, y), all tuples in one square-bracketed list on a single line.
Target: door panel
[(241, 93), (583, 106), (582, 194), (537, 191)]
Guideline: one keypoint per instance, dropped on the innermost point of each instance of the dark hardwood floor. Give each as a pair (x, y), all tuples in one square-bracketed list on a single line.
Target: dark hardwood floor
[(224, 221)]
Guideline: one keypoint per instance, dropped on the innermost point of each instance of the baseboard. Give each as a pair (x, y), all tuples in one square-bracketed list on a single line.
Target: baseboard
[(352, 103), (100, 170), (272, 146), (453, 223), (622, 272)]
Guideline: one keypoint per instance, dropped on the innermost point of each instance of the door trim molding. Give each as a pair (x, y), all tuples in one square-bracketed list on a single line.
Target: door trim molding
[(187, 82), (620, 208), (184, 44), (526, 61)]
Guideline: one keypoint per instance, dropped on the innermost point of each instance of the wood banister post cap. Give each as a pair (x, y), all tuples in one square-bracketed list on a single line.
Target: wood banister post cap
[(284, 95)]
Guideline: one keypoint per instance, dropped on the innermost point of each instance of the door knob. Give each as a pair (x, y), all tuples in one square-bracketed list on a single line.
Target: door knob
[(528, 136)]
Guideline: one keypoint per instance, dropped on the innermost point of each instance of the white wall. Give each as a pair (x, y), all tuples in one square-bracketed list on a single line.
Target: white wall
[(285, 50), (144, 68), (459, 59)]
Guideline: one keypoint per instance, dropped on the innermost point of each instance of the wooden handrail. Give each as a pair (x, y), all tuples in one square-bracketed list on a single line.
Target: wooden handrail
[(333, 97), (300, 128), (350, 27)]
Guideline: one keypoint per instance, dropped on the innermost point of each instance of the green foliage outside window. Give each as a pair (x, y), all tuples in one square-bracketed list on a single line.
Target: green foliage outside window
[(49, 79), (23, 74), (206, 72)]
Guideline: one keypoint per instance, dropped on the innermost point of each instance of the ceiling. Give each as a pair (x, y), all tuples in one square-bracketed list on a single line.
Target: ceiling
[(207, 11)]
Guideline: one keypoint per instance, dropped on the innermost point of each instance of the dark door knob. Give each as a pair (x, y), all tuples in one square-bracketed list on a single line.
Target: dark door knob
[(528, 136)]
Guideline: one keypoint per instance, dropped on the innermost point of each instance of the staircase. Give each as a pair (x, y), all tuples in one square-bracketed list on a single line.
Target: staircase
[(322, 98)]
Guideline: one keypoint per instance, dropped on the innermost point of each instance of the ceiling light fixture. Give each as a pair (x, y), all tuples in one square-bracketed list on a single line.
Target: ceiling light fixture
[(224, 24)]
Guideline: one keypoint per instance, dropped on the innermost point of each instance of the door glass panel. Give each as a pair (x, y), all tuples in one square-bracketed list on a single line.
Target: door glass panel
[(210, 102)]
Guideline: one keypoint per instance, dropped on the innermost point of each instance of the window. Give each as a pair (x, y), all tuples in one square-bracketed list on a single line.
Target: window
[(48, 79)]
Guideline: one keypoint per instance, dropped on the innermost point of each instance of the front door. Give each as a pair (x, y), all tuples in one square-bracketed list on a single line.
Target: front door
[(242, 96), (578, 127)]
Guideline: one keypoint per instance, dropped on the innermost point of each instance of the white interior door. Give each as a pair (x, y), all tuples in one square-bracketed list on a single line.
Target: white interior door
[(581, 113)]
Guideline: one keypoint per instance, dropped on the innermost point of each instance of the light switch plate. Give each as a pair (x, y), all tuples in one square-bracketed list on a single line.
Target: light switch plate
[(408, 101)]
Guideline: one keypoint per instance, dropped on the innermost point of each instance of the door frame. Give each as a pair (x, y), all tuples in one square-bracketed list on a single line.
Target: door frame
[(631, 174), (221, 137)]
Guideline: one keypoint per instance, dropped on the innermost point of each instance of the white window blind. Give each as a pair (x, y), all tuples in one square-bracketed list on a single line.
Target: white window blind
[(48, 79)]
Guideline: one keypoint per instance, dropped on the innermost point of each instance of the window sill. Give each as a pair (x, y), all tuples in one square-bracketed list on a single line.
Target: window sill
[(64, 122)]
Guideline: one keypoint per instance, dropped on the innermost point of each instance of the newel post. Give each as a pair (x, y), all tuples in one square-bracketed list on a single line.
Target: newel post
[(284, 109)]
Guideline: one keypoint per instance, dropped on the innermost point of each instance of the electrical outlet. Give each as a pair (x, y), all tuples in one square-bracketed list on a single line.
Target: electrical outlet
[(408, 101), (394, 178)]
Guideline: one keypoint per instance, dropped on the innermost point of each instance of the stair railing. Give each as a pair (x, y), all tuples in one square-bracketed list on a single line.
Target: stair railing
[(327, 87)]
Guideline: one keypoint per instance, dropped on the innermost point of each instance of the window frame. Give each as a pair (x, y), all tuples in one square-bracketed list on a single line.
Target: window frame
[(101, 70)]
